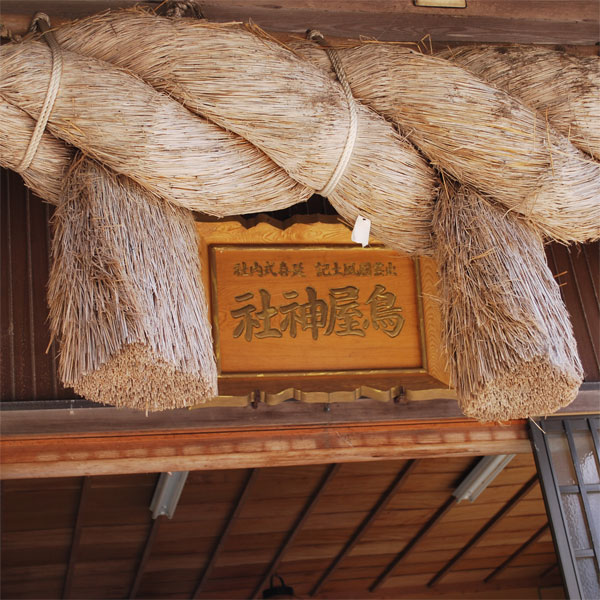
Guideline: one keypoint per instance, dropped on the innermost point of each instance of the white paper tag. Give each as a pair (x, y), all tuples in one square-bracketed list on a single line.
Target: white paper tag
[(360, 233)]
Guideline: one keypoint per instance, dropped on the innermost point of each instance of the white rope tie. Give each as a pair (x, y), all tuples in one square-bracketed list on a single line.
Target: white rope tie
[(43, 22), (346, 155)]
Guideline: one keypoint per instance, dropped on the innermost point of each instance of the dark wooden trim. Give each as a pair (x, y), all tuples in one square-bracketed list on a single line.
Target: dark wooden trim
[(141, 568), (587, 401), (516, 553), (535, 21), (235, 511), (525, 489), (589, 330), (420, 535), (65, 419), (58, 417), (375, 511), (329, 474), (549, 570), (75, 540)]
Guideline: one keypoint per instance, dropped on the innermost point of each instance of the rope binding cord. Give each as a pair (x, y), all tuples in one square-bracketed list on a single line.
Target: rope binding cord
[(344, 160), (42, 21)]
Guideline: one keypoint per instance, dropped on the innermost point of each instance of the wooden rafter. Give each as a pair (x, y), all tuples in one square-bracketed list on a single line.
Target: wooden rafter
[(76, 539), (525, 489), (235, 511), (423, 532), (516, 553), (141, 568), (549, 570), (419, 537), (375, 511), (330, 472), (177, 567)]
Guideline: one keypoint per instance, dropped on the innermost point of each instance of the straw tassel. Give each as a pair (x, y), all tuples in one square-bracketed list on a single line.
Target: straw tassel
[(506, 331), (125, 295)]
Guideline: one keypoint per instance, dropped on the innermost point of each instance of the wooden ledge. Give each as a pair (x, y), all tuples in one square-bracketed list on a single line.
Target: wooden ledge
[(65, 442), (118, 453), (98, 441)]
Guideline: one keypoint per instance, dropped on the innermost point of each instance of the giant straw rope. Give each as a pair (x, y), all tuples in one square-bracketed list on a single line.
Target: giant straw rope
[(272, 125)]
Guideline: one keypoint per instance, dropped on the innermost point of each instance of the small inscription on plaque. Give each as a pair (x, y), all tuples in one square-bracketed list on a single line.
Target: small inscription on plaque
[(296, 309)]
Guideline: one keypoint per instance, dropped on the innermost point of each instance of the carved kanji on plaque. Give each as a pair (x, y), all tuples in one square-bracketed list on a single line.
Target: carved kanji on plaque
[(314, 308)]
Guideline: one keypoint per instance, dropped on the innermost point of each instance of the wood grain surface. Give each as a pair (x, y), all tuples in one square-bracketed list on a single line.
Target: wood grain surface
[(249, 294), (74, 455), (289, 517), (314, 308), (517, 21)]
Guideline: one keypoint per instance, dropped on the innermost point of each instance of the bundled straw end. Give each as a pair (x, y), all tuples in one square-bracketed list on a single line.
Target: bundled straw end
[(531, 389), (136, 378)]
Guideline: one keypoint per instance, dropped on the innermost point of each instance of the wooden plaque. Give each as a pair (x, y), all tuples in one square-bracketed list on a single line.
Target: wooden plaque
[(313, 309), (304, 306)]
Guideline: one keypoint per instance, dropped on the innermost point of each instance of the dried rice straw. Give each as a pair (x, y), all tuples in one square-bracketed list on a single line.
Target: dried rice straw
[(564, 88), (125, 295), (282, 104), (106, 301), (477, 133), (511, 349), (46, 172), (130, 127)]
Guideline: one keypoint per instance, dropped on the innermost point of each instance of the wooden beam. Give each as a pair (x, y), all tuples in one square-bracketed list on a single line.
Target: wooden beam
[(76, 539), (235, 511), (253, 445), (375, 511), (507, 21), (516, 553), (419, 537), (330, 472), (62, 417), (525, 489), (549, 570), (515, 21), (70, 417), (141, 568)]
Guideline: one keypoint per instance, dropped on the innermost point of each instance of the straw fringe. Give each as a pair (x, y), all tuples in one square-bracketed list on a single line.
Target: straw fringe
[(125, 295), (507, 333), (562, 87), (477, 133), (283, 105), (135, 377)]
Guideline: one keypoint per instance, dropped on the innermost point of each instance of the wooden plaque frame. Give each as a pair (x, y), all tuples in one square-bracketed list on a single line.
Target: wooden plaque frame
[(321, 232)]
